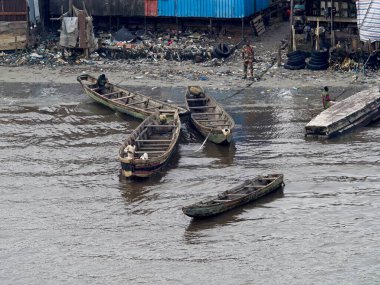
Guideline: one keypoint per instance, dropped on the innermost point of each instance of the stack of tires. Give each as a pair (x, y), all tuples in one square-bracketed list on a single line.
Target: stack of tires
[(221, 51), (296, 60), (319, 60)]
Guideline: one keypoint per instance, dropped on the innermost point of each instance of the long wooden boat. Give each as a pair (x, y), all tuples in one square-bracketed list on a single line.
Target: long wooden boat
[(209, 117), (242, 194), (119, 99), (151, 145), (357, 110)]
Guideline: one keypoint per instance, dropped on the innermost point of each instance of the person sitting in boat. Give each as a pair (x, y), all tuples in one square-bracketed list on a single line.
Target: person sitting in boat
[(130, 151), (326, 100), (102, 82)]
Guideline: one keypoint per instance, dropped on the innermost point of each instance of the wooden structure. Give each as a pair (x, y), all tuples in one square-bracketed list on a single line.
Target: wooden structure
[(258, 25), (242, 194), (14, 28), (151, 145), (119, 99), (208, 117), (357, 110)]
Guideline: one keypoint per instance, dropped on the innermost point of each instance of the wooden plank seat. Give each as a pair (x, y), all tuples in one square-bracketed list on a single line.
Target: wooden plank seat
[(212, 120), (154, 107), (197, 99), (122, 98), (113, 93), (216, 125), (153, 140), (150, 144), (202, 107), (206, 113), (153, 149), (222, 201), (153, 152), (160, 126), (136, 103)]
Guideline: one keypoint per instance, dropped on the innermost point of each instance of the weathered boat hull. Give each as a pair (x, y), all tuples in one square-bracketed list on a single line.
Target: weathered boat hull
[(131, 169), (215, 206), (153, 138), (209, 118), (215, 136), (121, 100), (356, 111), (139, 115)]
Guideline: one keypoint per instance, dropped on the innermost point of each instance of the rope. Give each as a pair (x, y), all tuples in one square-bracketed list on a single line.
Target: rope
[(204, 141), (249, 84)]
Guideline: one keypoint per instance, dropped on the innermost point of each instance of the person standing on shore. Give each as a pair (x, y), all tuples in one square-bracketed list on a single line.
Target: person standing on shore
[(248, 58), (326, 100)]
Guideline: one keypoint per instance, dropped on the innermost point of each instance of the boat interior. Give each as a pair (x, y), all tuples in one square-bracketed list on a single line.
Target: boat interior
[(204, 110), (155, 137), (122, 96)]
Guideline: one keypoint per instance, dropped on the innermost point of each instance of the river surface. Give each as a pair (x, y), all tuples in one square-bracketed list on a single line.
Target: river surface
[(68, 218)]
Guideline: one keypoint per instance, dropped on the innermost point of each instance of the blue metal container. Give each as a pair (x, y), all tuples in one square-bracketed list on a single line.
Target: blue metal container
[(261, 5), (167, 8), (206, 8)]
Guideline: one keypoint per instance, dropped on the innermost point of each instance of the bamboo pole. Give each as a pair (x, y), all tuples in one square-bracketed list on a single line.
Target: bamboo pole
[(291, 24)]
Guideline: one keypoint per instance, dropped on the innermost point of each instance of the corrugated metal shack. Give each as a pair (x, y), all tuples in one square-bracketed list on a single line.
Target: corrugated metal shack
[(227, 9), (127, 8), (223, 9), (13, 24)]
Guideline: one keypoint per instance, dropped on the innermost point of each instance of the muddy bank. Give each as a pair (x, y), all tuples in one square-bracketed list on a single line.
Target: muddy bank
[(223, 74)]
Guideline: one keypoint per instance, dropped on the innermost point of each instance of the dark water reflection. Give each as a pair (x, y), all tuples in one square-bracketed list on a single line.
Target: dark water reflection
[(67, 217)]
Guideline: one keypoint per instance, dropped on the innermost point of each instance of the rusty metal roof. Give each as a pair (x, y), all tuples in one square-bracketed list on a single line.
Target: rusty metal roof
[(13, 10), (101, 7)]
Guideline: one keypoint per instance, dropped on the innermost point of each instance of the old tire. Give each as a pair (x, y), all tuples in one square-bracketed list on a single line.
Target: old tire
[(295, 63), (222, 50), (317, 67), (214, 54), (320, 54), (294, 67), (318, 61)]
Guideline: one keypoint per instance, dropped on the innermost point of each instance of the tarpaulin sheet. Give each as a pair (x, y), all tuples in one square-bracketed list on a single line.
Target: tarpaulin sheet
[(368, 17), (69, 32)]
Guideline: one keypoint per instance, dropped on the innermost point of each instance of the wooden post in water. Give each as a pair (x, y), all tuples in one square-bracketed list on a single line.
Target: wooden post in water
[(70, 8), (242, 28), (332, 40), (291, 25)]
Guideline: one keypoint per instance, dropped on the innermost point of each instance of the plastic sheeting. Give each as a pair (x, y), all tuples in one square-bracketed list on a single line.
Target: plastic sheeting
[(368, 17), (69, 32)]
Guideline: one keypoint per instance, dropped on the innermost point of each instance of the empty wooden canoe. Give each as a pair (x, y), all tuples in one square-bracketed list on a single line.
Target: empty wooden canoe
[(242, 194), (208, 116)]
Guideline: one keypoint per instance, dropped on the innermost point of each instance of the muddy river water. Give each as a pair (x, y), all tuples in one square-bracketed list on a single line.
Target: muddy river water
[(67, 217)]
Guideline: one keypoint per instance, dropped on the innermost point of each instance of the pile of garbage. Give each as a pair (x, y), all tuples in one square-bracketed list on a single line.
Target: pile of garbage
[(172, 45), (126, 45)]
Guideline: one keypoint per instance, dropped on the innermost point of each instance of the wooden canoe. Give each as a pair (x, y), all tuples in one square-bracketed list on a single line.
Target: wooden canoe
[(357, 110), (208, 116), (242, 194), (119, 99), (154, 138)]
